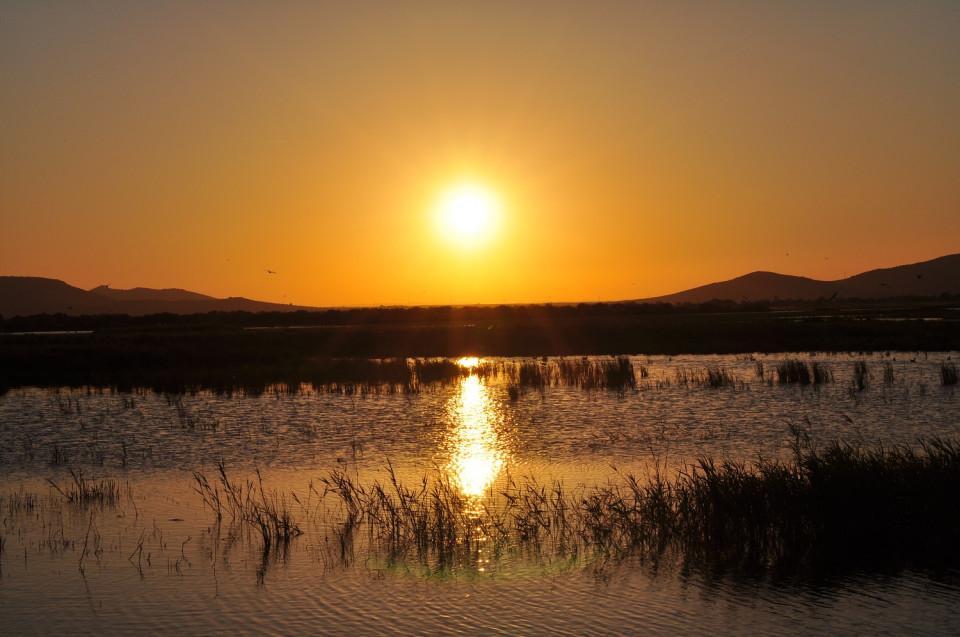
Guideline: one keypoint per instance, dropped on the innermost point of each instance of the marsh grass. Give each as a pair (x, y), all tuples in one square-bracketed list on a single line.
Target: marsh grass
[(797, 371), (615, 374), (889, 377), (248, 504), (793, 371), (948, 373), (85, 492), (20, 502), (861, 375), (713, 376), (845, 505), (821, 373)]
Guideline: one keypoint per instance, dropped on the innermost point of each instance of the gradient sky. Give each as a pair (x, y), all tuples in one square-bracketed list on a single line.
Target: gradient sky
[(636, 148)]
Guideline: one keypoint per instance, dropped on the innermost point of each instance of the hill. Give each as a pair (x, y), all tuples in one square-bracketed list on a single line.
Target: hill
[(928, 278), (26, 296), (150, 294)]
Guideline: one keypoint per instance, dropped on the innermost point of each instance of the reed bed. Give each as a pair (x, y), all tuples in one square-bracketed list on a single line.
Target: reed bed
[(616, 374), (847, 504), (797, 371), (709, 376)]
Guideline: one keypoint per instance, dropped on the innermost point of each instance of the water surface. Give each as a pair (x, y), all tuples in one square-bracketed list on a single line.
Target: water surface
[(157, 559)]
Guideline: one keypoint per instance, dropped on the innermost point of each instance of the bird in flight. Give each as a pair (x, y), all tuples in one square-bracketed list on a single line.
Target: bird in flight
[(270, 272)]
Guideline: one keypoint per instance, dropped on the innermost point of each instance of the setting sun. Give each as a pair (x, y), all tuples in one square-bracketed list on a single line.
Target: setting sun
[(467, 214)]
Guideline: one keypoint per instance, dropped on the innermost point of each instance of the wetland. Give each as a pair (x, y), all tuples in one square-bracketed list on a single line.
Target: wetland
[(775, 493)]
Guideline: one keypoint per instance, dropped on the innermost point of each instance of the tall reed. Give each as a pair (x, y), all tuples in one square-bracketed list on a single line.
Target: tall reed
[(249, 504)]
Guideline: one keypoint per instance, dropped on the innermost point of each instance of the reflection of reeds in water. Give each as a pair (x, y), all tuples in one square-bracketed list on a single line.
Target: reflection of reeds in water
[(840, 505)]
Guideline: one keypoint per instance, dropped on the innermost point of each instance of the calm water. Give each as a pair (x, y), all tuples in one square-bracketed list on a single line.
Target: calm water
[(156, 561)]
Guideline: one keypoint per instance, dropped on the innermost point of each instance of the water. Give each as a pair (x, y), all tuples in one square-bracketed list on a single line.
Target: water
[(157, 561)]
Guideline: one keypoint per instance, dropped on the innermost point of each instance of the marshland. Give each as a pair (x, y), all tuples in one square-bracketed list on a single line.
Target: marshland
[(574, 494)]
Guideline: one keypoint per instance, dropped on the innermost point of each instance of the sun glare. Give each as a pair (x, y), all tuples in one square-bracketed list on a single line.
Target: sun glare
[(467, 215)]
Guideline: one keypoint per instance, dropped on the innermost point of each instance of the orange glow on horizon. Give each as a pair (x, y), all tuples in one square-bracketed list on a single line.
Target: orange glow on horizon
[(410, 156)]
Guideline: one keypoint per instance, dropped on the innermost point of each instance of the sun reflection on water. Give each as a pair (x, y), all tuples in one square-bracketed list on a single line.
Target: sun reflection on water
[(474, 442)]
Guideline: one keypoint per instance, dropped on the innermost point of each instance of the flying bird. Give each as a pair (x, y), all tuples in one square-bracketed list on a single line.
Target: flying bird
[(270, 272)]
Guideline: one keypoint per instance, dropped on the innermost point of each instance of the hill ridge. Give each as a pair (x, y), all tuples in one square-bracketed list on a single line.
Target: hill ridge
[(26, 296)]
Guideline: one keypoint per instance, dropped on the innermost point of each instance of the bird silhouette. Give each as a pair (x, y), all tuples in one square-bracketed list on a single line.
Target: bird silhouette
[(270, 272)]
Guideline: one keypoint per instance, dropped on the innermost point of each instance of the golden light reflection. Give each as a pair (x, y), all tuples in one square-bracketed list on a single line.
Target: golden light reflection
[(477, 451), (468, 362)]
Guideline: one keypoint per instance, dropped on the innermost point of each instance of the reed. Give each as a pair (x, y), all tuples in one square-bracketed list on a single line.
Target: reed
[(889, 377), (820, 373), (616, 374), (844, 505), (793, 371), (948, 373), (249, 504), (860, 375), (717, 377), (83, 492)]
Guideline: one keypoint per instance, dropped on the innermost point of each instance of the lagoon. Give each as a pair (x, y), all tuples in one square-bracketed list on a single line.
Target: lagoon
[(157, 559)]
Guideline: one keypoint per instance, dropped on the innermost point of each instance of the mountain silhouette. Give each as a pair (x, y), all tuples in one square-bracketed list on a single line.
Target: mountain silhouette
[(150, 294), (26, 296), (927, 278)]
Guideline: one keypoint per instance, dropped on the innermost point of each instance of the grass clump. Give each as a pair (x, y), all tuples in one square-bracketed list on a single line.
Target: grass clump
[(615, 374), (860, 375), (83, 492), (948, 373), (820, 373), (249, 504), (717, 377), (793, 371), (889, 377)]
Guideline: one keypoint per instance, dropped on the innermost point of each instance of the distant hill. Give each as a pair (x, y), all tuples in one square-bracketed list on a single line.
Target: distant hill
[(928, 278), (26, 296), (149, 294)]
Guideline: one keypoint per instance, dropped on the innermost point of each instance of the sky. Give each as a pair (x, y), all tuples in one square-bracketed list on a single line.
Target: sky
[(621, 150)]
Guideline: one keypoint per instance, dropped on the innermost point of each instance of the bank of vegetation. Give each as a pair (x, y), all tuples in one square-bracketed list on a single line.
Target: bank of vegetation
[(845, 505), (218, 351)]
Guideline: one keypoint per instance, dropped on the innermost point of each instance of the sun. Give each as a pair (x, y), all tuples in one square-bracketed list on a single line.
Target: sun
[(467, 215)]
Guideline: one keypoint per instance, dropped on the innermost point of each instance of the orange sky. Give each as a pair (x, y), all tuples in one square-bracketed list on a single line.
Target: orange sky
[(636, 149)]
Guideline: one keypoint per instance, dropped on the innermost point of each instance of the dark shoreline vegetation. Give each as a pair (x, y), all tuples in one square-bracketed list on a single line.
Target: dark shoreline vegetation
[(831, 509), (241, 351)]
